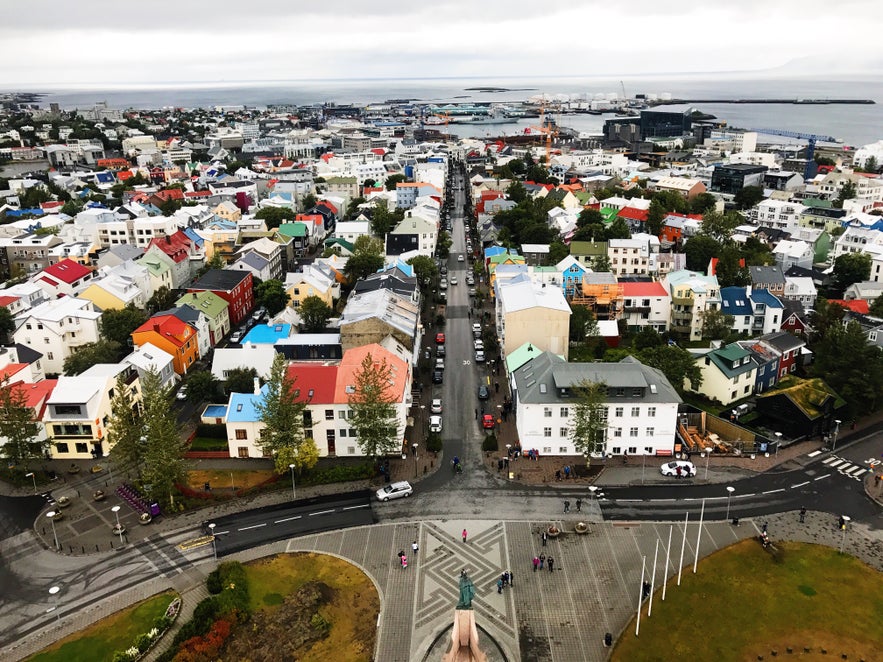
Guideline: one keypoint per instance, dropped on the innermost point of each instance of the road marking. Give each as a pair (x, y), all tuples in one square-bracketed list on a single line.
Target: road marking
[(781, 489), (287, 519), (738, 496), (820, 477), (196, 542), (629, 500), (254, 526), (321, 512), (794, 487), (814, 453), (838, 463), (364, 505), (855, 473), (831, 459), (873, 461), (466, 362)]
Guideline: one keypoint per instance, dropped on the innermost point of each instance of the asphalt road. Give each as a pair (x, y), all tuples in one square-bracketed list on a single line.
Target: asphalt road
[(259, 526)]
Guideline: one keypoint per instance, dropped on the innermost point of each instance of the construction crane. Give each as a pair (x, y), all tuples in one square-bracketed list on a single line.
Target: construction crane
[(549, 129), (811, 139)]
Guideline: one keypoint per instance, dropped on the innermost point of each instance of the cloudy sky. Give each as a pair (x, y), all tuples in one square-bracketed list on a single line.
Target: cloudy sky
[(74, 42)]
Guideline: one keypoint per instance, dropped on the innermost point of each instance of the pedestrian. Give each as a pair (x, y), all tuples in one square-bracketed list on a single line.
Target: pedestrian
[(497, 387), (404, 561), (544, 537), (802, 515), (464, 535), (476, 414), (557, 474), (763, 528), (566, 506), (511, 578), (566, 472), (579, 504), (505, 578), (536, 563), (542, 560), (551, 562), (401, 554), (414, 548), (499, 586)]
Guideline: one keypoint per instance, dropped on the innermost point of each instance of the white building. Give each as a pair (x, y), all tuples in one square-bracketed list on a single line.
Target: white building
[(150, 358), (56, 328), (777, 214), (628, 257), (640, 409)]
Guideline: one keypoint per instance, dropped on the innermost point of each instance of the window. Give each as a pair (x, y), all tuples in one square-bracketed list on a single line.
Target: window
[(342, 432), (650, 432), (617, 432), (351, 450), (50, 356), (620, 393), (82, 447), (618, 412), (637, 392), (341, 415), (547, 412), (633, 432), (562, 449), (563, 432), (633, 450), (547, 432), (241, 434), (329, 414), (565, 412), (616, 450), (651, 412), (636, 411), (61, 447)]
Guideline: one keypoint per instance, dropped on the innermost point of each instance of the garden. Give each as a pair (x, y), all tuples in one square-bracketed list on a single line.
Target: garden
[(811, 602)]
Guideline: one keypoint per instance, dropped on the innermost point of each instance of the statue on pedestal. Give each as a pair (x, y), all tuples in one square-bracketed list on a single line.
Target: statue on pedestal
[(464, 636)]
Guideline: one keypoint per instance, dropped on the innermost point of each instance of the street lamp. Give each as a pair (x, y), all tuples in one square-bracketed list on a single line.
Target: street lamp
[(836, 430), (778, 442), (116, 511), (293, 492), (846, 519), (593, 489), (730, 490), (54, 592), (414, 450), (33, 478), (51, 516), (214, 549), (707, 459)]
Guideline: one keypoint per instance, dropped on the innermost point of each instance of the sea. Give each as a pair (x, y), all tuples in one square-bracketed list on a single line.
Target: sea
[(854, 125)]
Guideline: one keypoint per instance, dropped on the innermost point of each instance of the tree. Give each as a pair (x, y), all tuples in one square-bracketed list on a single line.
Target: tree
[(826, 316), (281, 410), (163, 459), (117, 325), (203, 386), (352, 209), (125, 428), (443, 244), (92, 353), (383, 220), (618, 229), (646, 338), (716, 325), (308, 201), (601, 263), (271, 295), (558, 250), (703, 203), (851, 366), (852, 268), (871, 164), (588, 422), (392, 180), (275, 216), (373, 411), (315, 313), (72, 207), (675, 363), (367, 258), (655, 217), (720, 226), (516, 192), (748, 196), (729, 270), (240, 380), (425, 270), (699, 250), (847, 192), (18, 429), (876, 307), (7, 323), (581, 322), (162, 299), (589, 216)]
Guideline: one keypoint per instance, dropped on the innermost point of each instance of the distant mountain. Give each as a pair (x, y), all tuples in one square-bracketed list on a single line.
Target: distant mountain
[(815, 65)]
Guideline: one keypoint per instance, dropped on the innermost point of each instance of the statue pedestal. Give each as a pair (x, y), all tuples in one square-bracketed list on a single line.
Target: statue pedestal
[(464, 639)]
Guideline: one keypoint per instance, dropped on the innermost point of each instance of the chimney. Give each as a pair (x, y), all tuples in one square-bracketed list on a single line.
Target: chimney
[(194, 294), (156, 327), (257, 386)]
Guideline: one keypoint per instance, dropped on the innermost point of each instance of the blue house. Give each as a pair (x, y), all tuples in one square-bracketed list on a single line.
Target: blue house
[(265, 334)]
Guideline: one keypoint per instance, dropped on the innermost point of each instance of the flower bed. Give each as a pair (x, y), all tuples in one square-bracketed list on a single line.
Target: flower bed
[(144, 642)]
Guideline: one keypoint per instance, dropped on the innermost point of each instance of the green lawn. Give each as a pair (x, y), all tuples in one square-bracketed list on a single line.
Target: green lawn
[(742, 604), (208, 444), (100, 641)]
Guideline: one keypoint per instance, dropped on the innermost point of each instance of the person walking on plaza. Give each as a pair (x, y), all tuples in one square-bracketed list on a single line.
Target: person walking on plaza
[(536, 563), (500, 585), (544, 537), (551, 564), (542, 560), (464, 535), (511, 578), (566, 506), (802, 515), (404, 561), (579, 504), (414, 548)]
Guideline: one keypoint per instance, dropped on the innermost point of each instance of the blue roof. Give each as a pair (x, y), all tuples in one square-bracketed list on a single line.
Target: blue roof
[(195, 238), (764, 296), (734, 301), (405, 268), (243, 406), (490, 251), (104, 177), (264, 334), (16, 213)]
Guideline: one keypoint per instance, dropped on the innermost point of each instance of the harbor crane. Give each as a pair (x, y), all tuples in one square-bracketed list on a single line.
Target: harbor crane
[(550, 129), (811, 139)]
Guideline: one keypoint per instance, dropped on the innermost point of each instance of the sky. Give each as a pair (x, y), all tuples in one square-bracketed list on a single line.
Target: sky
[(62, 43)]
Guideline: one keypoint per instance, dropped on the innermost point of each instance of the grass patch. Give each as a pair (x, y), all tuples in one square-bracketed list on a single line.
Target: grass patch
[(750, 606), (208, 444), (99, 641), (221, 480)]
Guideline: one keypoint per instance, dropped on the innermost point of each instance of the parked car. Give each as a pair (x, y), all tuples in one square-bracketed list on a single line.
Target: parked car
[(436, 406), (439, 364), (236, 336), (483, 392), (479, 344), (460, 258), (395, 491), (182, 393), (437, 376), (439, 338), (443, 283), (439, 351), (435, 424), (258, 314), (472, 291), (476, 328), (487, 422), (479, 356), (672, 469), (470, 280)]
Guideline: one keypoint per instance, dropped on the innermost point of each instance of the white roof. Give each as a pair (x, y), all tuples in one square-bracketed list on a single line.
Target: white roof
[(678, 183), (56, 309), (257, 356), (521, 295), (149, 357)]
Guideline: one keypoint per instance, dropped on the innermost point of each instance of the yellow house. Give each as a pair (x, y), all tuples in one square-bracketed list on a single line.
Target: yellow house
[(119, 286), (311, 282), (228, 211)]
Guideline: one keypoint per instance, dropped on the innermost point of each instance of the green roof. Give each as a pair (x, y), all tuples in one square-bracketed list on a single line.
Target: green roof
[(206, 302), (815, 203), (341, 180), (295, 230), (339, 241), (588, 248), (609, 214), (521, 355), (809, 395)]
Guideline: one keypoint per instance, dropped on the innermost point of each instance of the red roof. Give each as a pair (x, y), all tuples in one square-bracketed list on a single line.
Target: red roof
[(855, 305), (67, 271), (168, 326), (315, 219), (176, 246), (654, 289), (197, 194), (327, 205), (315, 377), (36, 394), (170, 194), (379, 151), (7, 301), (372, 189), (633, 214), (7, 371)]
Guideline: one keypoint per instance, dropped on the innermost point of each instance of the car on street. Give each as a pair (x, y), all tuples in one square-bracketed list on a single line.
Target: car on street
[(472, 291), (259, 314), (476, 328), (439, 364), (487, 422), (443, 283), (679, 468), (479, 356), (439, 351), (460, 258), (483, 392), (470, 280), (479, 344), (182, 393), (435, 424), (443, 270), (437, 377), (436, 406), (395, 491), (453, 280), (236, 336), (439, 338)]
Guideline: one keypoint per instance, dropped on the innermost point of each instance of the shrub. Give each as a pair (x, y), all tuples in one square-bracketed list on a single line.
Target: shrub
[(212, 431), (490, 444), (142, 642), (213, 582), (434, 443), (338, 474)]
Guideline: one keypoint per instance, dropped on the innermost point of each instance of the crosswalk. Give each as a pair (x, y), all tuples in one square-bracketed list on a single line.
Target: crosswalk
[(846, 467)]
